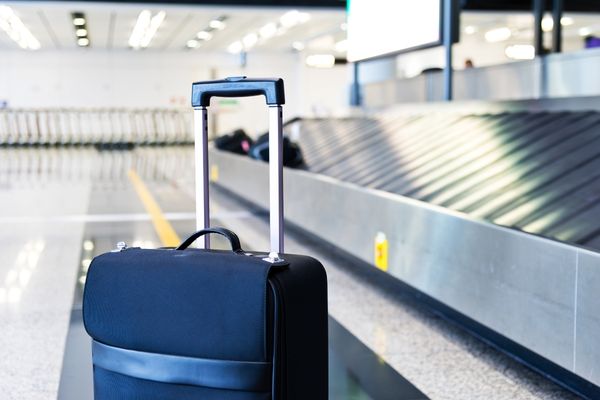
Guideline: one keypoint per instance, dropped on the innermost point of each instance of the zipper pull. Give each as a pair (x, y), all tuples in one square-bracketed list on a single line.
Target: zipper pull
[(120, 247)]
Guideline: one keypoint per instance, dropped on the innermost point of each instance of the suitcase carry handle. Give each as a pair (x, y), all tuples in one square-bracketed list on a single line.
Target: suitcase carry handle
[(272, 89), (238, 86), (234, 240)]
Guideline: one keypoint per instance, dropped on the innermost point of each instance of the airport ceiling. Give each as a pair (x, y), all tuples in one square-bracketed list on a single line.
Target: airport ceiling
[(110, 25)]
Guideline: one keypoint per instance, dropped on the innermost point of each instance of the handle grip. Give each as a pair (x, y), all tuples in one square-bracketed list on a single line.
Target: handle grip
[(231, 236), (238, 86)]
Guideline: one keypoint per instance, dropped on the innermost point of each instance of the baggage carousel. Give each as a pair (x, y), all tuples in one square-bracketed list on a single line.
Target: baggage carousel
[(538, 172)]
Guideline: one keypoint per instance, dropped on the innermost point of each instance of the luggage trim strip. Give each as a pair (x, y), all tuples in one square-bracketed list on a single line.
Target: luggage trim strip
[(221, 374)]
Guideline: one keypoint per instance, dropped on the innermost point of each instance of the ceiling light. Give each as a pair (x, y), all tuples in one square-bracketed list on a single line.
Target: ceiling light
[(303, 17), (566, 21), (469, 30), (145, 28), (250, 40), (203, 35), (341, 46), (344, 26), (281, 30), (235, 47), (155, 23), (217, 24), (268, 31), (208, 32), (320, 60), (16, 30), (585, 31), (520, 52), (142, 23), (498, 35), (298, 46), (547, 24), (293, 18), (81, 32), (192, 44)]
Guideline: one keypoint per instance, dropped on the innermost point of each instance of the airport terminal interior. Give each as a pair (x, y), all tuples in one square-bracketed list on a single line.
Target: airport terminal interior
[(441, 160)]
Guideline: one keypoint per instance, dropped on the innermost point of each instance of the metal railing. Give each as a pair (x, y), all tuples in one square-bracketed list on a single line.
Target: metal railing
[(49, 127), (559, 75)]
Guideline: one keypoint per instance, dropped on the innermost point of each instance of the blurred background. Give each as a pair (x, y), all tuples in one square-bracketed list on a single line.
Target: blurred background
[(442, 161)]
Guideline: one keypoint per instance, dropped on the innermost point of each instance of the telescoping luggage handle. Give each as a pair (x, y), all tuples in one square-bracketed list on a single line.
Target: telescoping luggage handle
[(240, 86)]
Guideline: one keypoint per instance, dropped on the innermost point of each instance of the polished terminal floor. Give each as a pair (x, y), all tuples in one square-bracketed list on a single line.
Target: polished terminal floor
[(61, 206)]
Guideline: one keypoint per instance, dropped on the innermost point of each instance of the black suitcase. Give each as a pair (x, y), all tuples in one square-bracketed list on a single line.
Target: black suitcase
[(211, 324), (291, 154), (237, 142)]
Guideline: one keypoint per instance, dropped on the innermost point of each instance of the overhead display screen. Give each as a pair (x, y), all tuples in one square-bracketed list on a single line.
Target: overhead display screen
[(384, 27)]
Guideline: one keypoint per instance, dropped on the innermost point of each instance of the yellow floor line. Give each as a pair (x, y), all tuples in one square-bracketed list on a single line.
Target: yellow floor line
[(163, 228)]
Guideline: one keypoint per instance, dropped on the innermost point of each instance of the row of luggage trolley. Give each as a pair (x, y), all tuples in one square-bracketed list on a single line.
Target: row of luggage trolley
[(51, 127)]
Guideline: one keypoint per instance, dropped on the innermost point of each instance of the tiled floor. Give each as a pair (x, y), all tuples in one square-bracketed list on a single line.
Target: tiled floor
[(58, 207)]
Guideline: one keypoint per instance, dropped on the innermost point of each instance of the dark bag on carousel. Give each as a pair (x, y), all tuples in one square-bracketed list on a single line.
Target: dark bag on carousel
[(292, 154), (236, 142)]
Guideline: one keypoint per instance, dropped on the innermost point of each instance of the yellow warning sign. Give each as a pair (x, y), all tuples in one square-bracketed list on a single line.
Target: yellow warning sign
[(381, 251), (214, 173)]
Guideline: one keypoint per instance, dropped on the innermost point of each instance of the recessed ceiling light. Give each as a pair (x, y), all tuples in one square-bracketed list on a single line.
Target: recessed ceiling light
[(268, 31), (298, 46), (83, 42), (81, 32), (235, 47), (585, 31), (78, 21), (547, 24), (217, 24), (293, 18), (320, 60), (470, 29), (250, 40), (520, 52), (498, 35), (344, 26), (567, 21), (203, 35), (192, 44)]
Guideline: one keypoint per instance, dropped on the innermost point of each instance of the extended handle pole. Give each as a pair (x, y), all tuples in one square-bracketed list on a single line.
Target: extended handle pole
[(201, 151), (276, 180)]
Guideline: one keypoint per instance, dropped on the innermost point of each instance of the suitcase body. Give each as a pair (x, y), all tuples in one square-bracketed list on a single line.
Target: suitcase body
[(210, 324)]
